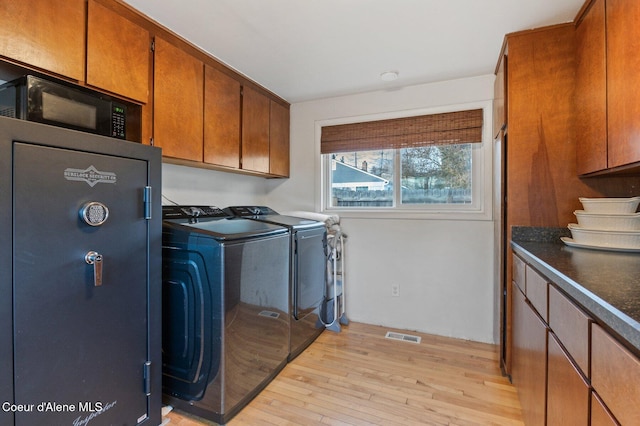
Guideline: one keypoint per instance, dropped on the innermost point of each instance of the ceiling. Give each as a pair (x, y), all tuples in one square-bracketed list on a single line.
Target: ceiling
[(310, 49)]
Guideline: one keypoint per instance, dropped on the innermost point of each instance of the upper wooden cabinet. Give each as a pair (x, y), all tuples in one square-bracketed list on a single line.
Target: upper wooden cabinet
[(608, 86), (623, 81), (499, 98), (178, 102), (244, 129), (46, 34), (279, 140), (591, 91), (118, 53), (221, 119), (255, 130), (194, 114)]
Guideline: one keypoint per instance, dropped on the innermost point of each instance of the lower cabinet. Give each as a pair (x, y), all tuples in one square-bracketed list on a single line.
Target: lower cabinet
[(567, 390), (615, 376), (600, 415), (569, 371), (529, 359)]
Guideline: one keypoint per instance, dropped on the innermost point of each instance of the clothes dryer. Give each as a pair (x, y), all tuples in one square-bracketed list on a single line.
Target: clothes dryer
[(307, 275)]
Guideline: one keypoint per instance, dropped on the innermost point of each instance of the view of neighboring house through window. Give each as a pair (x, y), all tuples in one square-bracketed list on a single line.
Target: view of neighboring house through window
[(416, 162), (362, 178)]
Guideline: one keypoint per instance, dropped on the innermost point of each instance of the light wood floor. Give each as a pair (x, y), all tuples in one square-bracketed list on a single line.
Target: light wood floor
[(357, 377)]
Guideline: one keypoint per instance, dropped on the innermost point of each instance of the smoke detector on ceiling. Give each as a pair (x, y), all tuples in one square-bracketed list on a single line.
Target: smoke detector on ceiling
[(389, 76)]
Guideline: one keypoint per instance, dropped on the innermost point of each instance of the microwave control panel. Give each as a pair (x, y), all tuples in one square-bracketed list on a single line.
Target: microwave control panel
[(118, 120)]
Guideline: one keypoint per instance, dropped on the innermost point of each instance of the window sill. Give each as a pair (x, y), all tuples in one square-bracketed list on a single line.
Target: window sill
[(469, 215)]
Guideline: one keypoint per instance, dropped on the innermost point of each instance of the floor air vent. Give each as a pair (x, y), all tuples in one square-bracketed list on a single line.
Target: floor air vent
[(403, 337), (269, 314)]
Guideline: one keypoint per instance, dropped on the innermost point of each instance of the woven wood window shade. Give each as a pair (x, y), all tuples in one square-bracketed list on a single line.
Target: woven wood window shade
[(408, 132)]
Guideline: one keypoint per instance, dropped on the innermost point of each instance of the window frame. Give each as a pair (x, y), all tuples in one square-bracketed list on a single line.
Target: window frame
[(482, 158)]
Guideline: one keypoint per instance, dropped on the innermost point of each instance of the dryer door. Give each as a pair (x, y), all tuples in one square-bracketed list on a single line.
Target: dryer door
[(80, 287)]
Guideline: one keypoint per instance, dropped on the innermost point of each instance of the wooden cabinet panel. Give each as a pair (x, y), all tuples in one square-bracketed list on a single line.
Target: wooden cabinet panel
[(529, 360), (47, 34), (221, 119), (118, 53), (615, 375), (600, 416), (543, 185), (591, 91), (499, 98), (571, 325), (537, 291), (623, 81), (519, 268), (567, 391), (255, 131), (279, 140), (178, 102)]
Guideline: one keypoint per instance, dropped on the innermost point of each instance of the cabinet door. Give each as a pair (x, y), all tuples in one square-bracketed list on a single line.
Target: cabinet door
[(47, 34), (255, 131), (529, 359), (499, 94), (600, 416), (615, 374), (118, 53), (571, 325), (519, 276), (591, 91), (178, 102), (221, 119), (623, 81), (279, 140), (567, 391), (537, 291)]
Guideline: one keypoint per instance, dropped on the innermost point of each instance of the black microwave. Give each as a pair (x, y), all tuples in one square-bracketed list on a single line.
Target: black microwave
[(45, 101)]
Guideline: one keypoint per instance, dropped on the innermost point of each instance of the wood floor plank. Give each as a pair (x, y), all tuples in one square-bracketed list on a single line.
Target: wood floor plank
[(358, 377)]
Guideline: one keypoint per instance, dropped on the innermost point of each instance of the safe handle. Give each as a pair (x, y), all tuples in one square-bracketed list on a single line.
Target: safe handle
[(95, 259)]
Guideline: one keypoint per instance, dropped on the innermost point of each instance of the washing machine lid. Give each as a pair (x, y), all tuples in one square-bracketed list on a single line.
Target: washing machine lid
[(214, 222), (269, 215), (290, 221)]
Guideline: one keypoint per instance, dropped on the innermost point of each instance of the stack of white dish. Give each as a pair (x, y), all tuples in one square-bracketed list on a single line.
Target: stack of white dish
[(606, 224)]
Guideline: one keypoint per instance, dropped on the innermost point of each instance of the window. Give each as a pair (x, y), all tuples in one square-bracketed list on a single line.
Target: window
[(431, 163), (438, 174)]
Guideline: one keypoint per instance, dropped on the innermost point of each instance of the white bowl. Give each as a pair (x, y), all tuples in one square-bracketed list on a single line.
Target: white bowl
[(610, 205), (612, 239), (608, 222)]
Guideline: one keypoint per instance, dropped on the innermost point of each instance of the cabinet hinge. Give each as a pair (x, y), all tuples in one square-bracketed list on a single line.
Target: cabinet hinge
[(153, 46), (147, 377), (151, 141), (146, 200)]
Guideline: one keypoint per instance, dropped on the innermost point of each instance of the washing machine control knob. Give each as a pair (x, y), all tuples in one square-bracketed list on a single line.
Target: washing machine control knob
[(192, 211)]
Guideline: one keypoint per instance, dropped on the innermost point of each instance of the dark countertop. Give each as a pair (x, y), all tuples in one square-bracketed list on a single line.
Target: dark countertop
[(605, 283)]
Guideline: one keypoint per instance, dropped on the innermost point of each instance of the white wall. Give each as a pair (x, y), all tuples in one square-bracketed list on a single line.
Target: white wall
[(189, 185), (444, 267)]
